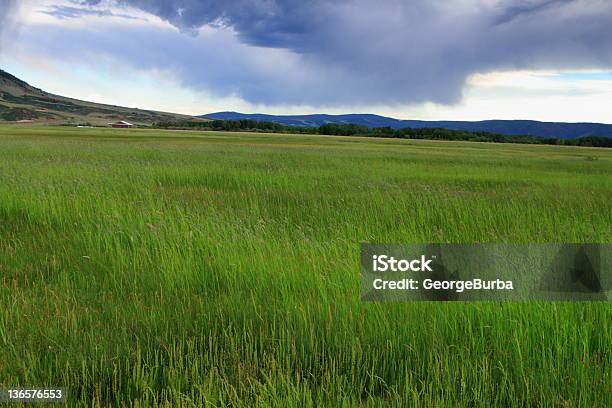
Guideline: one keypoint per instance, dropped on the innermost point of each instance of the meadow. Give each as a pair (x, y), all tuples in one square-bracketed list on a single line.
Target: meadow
[(180, 268)]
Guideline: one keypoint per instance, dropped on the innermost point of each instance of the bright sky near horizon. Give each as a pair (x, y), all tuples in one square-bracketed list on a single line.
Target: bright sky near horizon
[(545, 60)]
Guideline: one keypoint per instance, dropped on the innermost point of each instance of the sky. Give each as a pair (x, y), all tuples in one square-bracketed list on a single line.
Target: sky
[(547, 60)]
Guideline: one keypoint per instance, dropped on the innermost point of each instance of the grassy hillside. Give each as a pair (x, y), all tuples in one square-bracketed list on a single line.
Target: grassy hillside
[(190, 269), (21, 102)]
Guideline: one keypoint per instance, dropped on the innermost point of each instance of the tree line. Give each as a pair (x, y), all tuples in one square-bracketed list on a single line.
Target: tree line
[(340, 129)]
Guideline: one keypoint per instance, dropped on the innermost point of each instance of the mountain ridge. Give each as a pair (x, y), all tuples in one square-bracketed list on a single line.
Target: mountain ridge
[(21, 102), (564, 130)]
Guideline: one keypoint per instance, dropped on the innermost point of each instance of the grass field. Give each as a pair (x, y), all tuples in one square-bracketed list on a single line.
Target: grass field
[(157, 268)]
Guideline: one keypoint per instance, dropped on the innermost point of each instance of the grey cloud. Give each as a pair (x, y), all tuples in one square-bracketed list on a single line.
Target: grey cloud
[(62, 12), (527, 7), (7, 8), (218, 63), (372, 52)]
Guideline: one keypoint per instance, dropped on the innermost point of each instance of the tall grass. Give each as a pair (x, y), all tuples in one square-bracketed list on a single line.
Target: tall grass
[(157, 268)]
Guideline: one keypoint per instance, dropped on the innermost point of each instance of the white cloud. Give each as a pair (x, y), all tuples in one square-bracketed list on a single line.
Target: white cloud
[(536, 95)]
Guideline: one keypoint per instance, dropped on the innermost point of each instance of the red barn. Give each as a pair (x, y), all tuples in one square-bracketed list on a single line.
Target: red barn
[(121, 124)]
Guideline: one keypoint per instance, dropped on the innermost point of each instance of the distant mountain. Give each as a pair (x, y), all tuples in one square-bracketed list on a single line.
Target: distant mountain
[(310, 120), (21, 102), (506, 127)]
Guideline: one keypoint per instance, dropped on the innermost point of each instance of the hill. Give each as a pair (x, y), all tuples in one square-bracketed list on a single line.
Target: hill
[(21, 102), (310, 120), (505, 127)]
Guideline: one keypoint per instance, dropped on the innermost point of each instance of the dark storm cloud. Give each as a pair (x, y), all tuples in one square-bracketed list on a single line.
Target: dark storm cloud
[(258, 22), (373, 52)]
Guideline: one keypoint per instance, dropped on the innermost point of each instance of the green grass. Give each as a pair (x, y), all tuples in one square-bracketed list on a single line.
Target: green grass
[(158, 268)]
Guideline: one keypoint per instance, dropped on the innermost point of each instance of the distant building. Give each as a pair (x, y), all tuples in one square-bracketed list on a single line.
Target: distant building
[(121, 124)]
